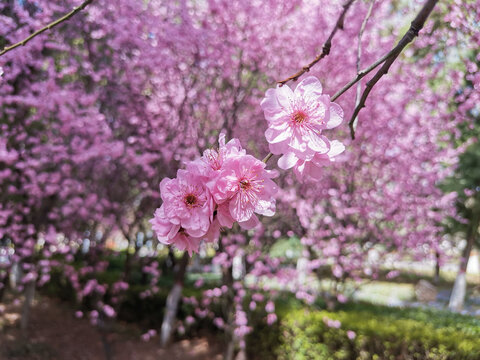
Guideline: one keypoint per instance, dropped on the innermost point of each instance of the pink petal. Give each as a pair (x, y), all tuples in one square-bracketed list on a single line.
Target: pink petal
[(309, 85), (285, 96), (319, 144), (336, 116), (250, 223), (240, 209), (287, 161), (224, 217), (270, 103), (336, 148)]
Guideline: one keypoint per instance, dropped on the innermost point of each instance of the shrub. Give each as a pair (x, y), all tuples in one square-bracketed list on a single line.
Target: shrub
[(380, 333)]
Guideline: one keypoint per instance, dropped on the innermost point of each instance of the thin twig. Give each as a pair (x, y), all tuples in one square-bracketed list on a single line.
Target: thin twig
[(269, 155), (359, 76), (353, 124), (48, 27), (416, 25), (326, 47)]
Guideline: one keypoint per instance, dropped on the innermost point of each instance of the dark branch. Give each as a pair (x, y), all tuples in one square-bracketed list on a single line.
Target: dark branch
[(416, 25), (48, 27), (326, 47)]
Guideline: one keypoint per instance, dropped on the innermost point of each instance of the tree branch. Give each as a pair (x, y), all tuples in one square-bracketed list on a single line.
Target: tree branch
[(353, 124), (326, 47), (48, 27), (416, 25)]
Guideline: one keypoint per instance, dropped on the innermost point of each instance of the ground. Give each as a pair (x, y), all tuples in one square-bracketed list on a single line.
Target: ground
[(55, 334)]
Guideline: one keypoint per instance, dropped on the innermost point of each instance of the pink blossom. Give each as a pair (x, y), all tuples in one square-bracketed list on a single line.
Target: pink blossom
[(187, 203), (351, 334), (171, 234), (243, 187), (332, 323), (313, 169), (271, 318), (218, 322), (199, 283), (108, 310), (341, 298), (94, 314), (270, 307), (257, 297), (213, 159), (296, 120), (242, 330), (181, 329), (189, 320)]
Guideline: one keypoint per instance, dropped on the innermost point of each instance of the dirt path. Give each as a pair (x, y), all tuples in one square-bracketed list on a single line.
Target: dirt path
[(55, 334)]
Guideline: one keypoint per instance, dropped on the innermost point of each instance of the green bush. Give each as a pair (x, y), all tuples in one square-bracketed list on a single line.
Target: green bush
[(380, 333)]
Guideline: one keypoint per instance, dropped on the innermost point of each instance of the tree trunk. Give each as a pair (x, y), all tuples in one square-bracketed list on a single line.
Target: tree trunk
[(15, 275), (242, 355), (436, 275), (457, 298), (107, 349), (128, 263), (173, 300), (5, 282), (227, 279), (27, 305), (169, 262), (104, 329), (230, 352)]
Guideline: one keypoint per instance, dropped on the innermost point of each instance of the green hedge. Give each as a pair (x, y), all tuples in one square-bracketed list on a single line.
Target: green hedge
[(380, 333)]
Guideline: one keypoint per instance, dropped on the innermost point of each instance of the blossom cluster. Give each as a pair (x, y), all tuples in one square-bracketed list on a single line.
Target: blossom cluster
[(296, 120), (220, 188), (225, 186)]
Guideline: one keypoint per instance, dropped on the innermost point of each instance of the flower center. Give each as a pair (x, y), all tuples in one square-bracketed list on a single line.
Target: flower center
[(190, 200), (299, 117), (245, 184)]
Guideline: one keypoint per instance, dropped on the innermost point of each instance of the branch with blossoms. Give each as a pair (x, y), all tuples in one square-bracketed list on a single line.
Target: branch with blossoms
[(65, 17), (387, 60)]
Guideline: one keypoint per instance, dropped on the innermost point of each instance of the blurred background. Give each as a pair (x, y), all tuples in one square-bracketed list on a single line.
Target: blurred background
[(376, 260)]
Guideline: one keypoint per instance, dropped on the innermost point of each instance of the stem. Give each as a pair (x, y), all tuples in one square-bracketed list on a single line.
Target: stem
[(326, 47), (48, 27), (266, 158)]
